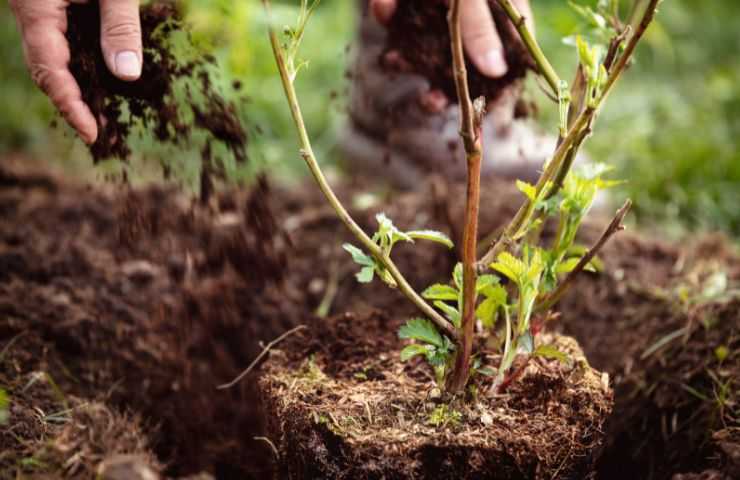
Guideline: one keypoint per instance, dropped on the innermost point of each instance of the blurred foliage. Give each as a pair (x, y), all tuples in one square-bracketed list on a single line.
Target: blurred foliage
[(672, 125)]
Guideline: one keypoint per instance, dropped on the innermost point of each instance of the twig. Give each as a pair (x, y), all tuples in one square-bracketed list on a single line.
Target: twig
[(470, 119), (313, 165), (272, 445), (264, 352), (544, 66), (615, 226)]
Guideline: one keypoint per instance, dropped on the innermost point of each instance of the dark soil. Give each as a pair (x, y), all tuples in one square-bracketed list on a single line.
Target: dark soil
[(341, 405), (419, 42), (153, 100), (145, 301)]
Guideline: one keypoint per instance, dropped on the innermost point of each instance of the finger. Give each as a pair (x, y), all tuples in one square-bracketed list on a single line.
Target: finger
[(383, 10), (120, 40), (480, 39), (47, 56), (526, 11)]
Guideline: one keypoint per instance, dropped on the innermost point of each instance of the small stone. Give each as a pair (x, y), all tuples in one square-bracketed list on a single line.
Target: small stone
[(486, 419)]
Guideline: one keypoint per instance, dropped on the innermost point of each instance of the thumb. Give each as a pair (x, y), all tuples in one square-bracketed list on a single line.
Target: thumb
[(120, 40), (481, 40)]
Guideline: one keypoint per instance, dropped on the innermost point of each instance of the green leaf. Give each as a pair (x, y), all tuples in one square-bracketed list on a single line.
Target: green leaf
[(423, 330), (549, 351), (457, 276), (509, 266), (431, 235), (527, 189), (365, 275), (486, 371), (440, 292), (412, 350), (358, 255), (596, 20), (721, 353), (568, 265), (4, 404), (485, 281), (451, 312)]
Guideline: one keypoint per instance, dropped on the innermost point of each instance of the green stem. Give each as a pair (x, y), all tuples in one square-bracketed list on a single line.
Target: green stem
[(313, 165), (543, 64)]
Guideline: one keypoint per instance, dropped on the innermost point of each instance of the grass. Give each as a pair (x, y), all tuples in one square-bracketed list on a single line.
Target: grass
[(676, 142)]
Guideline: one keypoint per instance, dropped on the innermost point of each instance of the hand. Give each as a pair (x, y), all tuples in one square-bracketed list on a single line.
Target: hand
[(43, 24), (480, 39)]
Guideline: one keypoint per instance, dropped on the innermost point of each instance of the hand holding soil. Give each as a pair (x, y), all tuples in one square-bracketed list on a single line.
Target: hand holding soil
[(482, 42), (43, 24)]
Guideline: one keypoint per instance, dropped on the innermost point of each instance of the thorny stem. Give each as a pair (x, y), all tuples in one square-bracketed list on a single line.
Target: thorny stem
[(313, 165), (543, 64), (470, 134), (573, 139), (615, 226)]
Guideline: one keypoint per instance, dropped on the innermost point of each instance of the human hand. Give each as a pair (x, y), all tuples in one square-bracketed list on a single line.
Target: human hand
[(43, 23), (480, 38)]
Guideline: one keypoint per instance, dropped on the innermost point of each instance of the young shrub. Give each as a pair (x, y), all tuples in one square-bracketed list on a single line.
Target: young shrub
[(509, 291)]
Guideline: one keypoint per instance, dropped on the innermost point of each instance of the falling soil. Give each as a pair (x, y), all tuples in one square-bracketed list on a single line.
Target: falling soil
[(341, 404), (152, 101), (419, 42), (144, 301)]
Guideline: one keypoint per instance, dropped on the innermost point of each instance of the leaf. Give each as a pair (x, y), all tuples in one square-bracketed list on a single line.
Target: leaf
[(412, 350), (568, 265), (440, 292), (457, 276), (495, 298), (423, 330), (365, 275), (510, 266), (358, 255), (595, 19), (485, 281), (486, 371), (451, 312), (431, 235), (527, 189), (549, 351)]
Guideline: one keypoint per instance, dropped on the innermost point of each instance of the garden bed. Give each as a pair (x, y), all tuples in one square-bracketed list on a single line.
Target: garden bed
[(145, 301)]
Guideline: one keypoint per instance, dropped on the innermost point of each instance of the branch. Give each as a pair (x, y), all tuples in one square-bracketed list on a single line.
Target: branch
[(615, 226), (313, 165), (470, 120), (554, 169), (544, 66)]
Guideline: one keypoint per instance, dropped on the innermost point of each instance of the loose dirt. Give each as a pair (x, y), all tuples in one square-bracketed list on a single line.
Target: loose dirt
[(174, 98), (144, 301), (419, 42)]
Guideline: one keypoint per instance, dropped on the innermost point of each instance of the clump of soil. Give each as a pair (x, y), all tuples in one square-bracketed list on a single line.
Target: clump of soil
[(340, 404), (419, 42), (152, 101)]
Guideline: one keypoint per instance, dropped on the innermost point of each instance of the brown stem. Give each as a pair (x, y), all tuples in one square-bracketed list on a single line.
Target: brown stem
[(615, 226), (470, 134)]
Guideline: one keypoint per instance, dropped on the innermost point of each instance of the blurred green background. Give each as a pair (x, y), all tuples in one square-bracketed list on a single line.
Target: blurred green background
[(671, 128)]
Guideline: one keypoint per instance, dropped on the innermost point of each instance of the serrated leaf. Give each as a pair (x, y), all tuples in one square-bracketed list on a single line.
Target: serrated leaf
[(509, 266), (412, 350), (358, 255), (485, 281), (431, 235), (423, 330), (452, 313), (365, 275), (549, 351), (529, 190), (440, 292), (486, 312)]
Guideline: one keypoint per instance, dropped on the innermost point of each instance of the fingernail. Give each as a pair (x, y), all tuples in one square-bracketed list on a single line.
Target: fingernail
[(128, 65), (493, 64)]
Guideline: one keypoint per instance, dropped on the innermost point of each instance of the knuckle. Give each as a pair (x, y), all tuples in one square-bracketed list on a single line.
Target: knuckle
[(122, 29)]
